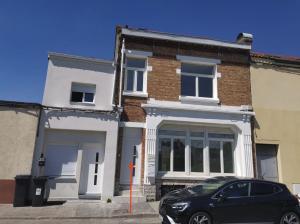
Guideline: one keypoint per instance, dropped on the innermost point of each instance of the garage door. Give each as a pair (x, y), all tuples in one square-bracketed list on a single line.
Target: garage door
[(74, 155)]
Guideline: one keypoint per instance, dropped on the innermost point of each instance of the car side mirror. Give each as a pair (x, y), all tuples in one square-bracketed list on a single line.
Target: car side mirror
[(221, 197)]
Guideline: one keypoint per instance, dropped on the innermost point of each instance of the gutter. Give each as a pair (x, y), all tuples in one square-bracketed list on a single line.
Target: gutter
[(121, 73), (186, 39)]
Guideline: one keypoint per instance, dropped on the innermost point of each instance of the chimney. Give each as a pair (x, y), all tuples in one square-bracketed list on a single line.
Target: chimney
[(244, 38)]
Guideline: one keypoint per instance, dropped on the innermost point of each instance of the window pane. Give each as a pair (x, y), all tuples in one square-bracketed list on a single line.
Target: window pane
[(237, 190), (228, 157), (76, 96), (197, 69), (258, 189), (205, 86), (197, 156), (214, 156), (140, 80), (164, 154), (89, 97), (188, 85), (179, 155), (136, 63), (130, 78)]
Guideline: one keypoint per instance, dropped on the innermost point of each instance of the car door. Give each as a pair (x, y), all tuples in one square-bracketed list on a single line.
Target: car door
[(265, 202), (231, 204)]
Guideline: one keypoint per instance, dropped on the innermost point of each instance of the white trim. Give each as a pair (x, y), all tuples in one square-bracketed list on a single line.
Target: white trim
[(198, 60), (138, 54), (76, 57), (133, 124), (194, 99), (152, 103), (137, 94), (178, 38)]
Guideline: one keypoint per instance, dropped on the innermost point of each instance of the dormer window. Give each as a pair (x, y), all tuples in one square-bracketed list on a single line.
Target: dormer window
[(197, 80), (135, 76), (83, 93)]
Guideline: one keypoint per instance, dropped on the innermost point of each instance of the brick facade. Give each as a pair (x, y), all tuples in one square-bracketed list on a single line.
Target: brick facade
[(163, 83), (234, 86)]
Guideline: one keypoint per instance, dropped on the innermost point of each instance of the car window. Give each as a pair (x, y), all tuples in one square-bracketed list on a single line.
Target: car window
[(258, 189), (240, 189)]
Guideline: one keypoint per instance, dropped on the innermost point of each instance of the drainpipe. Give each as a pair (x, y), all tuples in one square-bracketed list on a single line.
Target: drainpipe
[(121, 72)]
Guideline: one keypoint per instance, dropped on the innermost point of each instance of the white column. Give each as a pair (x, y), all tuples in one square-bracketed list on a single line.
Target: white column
[(248, 164)]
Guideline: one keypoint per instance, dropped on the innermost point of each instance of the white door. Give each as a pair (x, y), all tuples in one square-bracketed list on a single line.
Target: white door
[(91, 169), (131, 152)]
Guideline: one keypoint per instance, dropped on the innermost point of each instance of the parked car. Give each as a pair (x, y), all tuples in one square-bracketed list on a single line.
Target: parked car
[(230, 200)]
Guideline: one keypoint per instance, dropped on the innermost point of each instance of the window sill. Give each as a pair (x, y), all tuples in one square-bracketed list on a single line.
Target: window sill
[(192, 176), (83, 103), (137, 94), (199, 100)]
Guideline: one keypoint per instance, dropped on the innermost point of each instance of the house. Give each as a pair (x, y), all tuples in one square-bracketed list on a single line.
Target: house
[(275, 82), (18, 131), (186, 109), (78, 128)]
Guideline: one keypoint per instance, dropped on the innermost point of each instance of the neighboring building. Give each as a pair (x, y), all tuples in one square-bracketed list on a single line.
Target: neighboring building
[(78, 128), (186, 109), (275, 83), (18, 130)]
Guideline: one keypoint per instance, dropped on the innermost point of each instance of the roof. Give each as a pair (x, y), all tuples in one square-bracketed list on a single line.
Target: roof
[(6, 103), (182, 38), (76, 57), (273, 59)]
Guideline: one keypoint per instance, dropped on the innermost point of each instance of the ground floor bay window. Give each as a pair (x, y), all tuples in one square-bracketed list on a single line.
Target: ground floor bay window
[(188, 152)]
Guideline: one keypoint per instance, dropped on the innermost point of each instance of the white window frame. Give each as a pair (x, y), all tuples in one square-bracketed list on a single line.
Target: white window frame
[(221, 140), (82, 85), (206, 163), (135, 92), (214, 77)]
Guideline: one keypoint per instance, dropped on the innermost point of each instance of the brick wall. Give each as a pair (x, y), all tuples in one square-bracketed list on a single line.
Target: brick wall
[(234, 87), (163, 82), (132, 110), (7, 191)]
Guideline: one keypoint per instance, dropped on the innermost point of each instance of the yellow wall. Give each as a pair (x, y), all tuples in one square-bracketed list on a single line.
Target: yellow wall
[(17, 139), (276, 102)]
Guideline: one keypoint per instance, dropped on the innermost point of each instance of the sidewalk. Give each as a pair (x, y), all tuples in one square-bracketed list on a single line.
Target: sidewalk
[(79, 210)]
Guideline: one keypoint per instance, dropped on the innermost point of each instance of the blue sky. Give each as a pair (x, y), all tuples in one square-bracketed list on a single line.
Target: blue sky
[(29, 29)]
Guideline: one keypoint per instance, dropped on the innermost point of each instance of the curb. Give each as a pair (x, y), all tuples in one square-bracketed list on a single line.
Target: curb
[(138, 215)]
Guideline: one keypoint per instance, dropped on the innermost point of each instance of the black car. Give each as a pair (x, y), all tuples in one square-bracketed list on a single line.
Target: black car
[(230, 200)]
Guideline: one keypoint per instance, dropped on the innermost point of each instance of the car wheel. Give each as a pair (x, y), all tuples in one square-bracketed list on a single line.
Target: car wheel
[(200, 218), (290, 218)]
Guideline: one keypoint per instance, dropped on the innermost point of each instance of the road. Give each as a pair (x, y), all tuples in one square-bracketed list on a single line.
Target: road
[(85, 221)]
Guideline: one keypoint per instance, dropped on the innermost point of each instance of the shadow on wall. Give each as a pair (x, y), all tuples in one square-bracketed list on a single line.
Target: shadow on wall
[(58, 114), (86, 65)]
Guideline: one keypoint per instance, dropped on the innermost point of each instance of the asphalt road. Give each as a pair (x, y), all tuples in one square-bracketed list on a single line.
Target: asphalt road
[(85, 221)]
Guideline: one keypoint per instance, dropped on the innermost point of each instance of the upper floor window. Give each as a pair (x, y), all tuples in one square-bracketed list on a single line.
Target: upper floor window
[(83, 93), (197, 80), (135, 75)]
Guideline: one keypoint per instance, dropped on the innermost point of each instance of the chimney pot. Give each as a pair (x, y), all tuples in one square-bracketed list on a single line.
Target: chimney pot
[(244, 38)]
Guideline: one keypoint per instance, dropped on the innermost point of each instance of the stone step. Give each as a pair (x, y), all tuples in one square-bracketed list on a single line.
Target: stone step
[(125, 199)]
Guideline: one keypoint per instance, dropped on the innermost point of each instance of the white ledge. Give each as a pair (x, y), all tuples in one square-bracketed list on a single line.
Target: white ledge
[(201, 100), (194, 107), (137, 94)]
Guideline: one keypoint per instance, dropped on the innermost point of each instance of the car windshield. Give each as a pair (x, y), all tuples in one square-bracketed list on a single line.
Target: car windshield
[(208, 186)]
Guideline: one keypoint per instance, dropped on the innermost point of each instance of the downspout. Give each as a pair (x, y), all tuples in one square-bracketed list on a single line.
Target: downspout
[(121, 72)]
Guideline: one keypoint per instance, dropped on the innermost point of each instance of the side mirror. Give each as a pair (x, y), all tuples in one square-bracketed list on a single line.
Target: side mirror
[(221, 198)]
